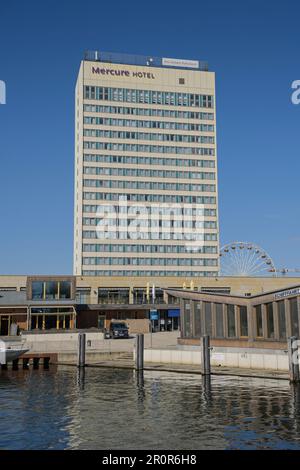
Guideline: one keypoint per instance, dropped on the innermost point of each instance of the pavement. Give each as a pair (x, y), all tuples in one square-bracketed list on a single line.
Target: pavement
[(159, 340)]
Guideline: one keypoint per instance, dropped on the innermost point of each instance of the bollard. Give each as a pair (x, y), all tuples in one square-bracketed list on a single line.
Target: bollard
[(139, 352), (25, 363), (36, 362), (293, 359), (81, 349), (46, 363), (205, 355)]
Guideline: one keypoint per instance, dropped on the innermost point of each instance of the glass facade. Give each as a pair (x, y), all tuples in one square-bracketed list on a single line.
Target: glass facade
[(51, 290), (269, 321), (113, 296)]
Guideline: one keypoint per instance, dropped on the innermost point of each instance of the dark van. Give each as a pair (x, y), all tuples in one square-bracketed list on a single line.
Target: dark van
[(117, 330)]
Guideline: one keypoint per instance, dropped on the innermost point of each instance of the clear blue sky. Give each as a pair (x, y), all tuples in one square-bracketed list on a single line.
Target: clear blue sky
[(253, 47)]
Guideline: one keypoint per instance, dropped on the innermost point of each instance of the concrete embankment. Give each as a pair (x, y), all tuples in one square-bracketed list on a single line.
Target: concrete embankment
[(165, 354)]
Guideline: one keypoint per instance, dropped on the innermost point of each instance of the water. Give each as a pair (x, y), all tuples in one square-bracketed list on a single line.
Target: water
[(110, 408)]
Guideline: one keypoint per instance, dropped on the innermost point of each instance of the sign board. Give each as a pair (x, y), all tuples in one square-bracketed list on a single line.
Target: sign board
[(174, 313), (192, 64), (287, 293), (153, 314)]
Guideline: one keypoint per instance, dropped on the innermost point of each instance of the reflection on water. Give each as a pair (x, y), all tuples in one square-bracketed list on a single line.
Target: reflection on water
[(63, 408)]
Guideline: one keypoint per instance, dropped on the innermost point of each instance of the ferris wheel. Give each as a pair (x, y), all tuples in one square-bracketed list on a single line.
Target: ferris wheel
[(245, 259)]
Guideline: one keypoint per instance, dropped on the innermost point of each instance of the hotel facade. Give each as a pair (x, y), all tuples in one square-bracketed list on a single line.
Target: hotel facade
[(145, 168)]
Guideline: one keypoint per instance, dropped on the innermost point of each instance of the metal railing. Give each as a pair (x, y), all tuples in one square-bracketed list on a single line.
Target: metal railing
[(132, 59)]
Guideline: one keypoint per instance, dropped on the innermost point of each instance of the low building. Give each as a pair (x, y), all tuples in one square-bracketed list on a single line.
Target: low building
[(68, 302), (262, 320)]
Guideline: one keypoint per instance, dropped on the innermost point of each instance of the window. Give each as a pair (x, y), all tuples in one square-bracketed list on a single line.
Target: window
[(243, 321), (259, 321), (181, 81), (65, 290), (231, 321), (270, 320), (83, 295), (207, 318), (294, 316), (187, 328), (113, 296), (281, 319), (37, 290), (219, 321), (51, 290), (197, 320)]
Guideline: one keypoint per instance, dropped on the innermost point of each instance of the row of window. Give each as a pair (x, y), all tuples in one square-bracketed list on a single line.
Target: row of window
[(144, 273), (108, 134), (267, 328), (148, 148), (122, 296), (136, 172), (165, 113), (151, 222), (51, 290), (150, 261), (155, 185), (127, 235), (161, 198), (100, 121), (180, 211), (202, 321), (129, 95), (230, 321), (148, 160), (108, 248)]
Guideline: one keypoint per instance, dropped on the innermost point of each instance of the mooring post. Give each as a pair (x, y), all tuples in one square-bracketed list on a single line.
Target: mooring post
[(293, 359), (205, 355), (139, 352), (81, 349)]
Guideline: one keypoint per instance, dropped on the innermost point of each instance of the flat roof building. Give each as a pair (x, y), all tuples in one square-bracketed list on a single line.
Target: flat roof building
[(145, 167), (67, 302)]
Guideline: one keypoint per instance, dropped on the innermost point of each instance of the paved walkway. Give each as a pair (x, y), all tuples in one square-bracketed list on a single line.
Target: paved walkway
[(160, 340)]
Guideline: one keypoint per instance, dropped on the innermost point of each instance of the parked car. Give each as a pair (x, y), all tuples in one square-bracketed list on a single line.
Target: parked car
[(117, 330)]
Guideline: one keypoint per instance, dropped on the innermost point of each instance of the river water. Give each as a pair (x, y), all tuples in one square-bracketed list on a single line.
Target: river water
[(119, 409)]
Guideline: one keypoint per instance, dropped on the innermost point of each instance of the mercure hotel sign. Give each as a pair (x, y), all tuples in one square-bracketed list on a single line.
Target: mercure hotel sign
[(122, 73)]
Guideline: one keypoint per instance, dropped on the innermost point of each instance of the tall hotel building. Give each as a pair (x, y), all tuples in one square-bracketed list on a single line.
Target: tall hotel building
[(145, 145)]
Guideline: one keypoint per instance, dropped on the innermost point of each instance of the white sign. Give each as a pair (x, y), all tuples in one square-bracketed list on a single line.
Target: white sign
[(287, 293), (193, 64)]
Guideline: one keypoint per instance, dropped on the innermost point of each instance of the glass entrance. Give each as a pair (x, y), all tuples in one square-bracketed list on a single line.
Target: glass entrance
[(101, 322), (4, 325)]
